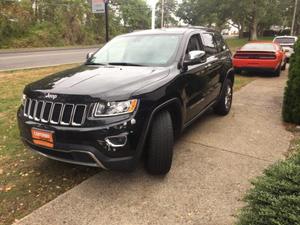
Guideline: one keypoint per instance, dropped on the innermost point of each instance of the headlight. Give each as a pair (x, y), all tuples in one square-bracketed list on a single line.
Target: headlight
[(115, 108), (23, 99)]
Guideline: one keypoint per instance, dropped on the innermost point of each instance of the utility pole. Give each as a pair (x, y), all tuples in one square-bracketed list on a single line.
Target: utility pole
[(106, 21), (294, 17), (153, 16), (162, 13)]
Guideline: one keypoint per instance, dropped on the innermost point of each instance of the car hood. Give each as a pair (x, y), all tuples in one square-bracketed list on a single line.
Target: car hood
[(101, 81)]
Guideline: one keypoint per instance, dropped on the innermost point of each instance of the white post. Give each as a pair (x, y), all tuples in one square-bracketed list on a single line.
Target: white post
[(294, 17), (153, 16)]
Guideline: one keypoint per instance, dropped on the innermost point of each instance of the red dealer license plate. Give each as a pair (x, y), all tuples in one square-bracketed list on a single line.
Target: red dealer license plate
[(42, 137)]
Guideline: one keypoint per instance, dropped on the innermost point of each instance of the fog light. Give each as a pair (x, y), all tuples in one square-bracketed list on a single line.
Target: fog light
[(117, 141)]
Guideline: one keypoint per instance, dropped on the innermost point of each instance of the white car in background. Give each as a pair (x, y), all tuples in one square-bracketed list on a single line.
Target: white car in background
[(287, 43)]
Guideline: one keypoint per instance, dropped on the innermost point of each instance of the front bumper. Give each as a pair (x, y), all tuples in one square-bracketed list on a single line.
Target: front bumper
[(87, 145)]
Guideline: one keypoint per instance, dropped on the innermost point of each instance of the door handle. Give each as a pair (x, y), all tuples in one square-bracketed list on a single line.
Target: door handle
[(207, 66)]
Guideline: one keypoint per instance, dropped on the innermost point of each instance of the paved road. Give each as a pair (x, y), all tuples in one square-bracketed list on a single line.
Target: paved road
[(21, 60), (213, 162)]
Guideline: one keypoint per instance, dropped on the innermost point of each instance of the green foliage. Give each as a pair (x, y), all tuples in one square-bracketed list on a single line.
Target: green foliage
[(39, 23), (250, 15), (275, 198), (291, 104), (170, 7), (134, 14)]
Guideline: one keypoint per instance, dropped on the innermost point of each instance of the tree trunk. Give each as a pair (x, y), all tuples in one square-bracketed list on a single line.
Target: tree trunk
[(254, 23), (241, 31)]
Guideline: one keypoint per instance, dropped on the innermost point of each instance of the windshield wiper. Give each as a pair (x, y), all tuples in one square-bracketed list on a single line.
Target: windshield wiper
[(124, 64)]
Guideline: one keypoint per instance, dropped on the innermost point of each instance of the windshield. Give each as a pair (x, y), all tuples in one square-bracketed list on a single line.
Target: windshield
[(285, 40), (258, 47), (140, 50)]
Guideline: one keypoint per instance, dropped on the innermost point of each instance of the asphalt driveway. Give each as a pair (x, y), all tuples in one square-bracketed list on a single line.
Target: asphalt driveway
[(213, 162)]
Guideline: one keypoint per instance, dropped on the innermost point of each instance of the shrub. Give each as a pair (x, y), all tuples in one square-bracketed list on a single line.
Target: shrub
[(275, 198), (291, 103)]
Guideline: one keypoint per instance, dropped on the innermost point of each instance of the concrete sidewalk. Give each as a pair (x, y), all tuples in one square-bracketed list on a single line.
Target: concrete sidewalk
[(213, 162)]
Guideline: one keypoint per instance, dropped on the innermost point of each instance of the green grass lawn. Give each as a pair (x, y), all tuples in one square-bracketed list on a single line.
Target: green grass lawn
[(235, 43), (27, 180)]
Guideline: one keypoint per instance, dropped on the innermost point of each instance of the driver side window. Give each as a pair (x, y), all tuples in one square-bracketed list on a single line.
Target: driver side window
[(194, 44)]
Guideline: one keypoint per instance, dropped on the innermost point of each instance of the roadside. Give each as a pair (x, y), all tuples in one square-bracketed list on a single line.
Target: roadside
[(213, 163), (22, 50), (37, 59), (28, 181)]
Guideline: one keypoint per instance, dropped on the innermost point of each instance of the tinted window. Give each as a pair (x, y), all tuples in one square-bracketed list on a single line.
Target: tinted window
[(209, 43), (259, 47), (285, 40), (220, 43), (194, 44)]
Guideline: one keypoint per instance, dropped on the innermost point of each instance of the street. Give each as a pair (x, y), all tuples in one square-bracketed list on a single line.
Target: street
[(23, 60)]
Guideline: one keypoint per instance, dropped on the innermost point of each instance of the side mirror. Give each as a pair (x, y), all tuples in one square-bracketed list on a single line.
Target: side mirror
[(194, 57), (89, 55)]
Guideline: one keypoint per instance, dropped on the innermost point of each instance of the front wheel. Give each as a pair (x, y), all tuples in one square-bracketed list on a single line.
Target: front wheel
[(224, 104), (160, 148)]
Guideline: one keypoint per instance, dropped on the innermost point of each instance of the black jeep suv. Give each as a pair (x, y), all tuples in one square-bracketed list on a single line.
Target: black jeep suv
[(130, 98)]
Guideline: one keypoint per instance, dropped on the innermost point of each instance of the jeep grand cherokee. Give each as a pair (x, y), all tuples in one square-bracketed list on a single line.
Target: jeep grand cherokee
[(130, 98)]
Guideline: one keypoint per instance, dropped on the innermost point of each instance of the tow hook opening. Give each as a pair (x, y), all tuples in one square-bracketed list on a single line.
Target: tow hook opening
[(117, 141)]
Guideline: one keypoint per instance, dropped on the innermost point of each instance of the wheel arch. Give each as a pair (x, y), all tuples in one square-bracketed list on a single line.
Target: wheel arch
[(174, 107)]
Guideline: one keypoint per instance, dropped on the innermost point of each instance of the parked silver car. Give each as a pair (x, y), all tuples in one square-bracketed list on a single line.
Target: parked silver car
[(287, 43)]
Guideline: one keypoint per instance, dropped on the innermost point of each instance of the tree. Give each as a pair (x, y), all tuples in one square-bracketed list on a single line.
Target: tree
[(170, 7), (254, 15), (133, 14)]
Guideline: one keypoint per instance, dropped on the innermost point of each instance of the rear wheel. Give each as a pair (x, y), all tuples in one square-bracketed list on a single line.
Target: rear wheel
[(284, 66), (224, 104), (277, 72), (238, 71), (160, 148)]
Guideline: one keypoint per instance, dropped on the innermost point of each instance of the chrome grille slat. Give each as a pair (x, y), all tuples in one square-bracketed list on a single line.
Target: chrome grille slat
[(63, 122), (82, 117), (64, 114), (53, 120), (38, 117), (46, 111), (29, 109)]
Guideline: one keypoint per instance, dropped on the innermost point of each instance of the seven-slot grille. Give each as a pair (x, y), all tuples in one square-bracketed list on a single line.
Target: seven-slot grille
[(54, 112)]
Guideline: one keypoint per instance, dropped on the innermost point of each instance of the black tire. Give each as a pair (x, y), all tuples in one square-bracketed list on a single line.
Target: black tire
[(238, 71), (277, 72), (224, 104), (160, 145), (284, 66)]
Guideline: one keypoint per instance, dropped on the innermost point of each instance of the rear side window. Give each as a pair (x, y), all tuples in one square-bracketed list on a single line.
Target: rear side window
[(209, 43), (221, 46)]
